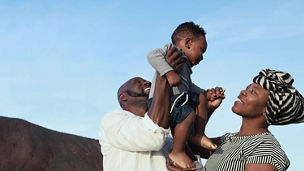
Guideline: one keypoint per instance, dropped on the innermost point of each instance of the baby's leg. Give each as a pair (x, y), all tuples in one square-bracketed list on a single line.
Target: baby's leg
[(181, 132), (200, 138)]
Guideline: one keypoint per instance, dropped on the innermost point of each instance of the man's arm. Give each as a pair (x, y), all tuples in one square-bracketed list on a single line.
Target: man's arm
[(159, 111)]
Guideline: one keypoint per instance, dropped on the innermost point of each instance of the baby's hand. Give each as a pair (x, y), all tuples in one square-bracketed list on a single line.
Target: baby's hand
[(215, 93), (215, 97), (173, 78)]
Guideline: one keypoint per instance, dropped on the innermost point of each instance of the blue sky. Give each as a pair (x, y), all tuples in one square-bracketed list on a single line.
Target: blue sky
[(62, 61)]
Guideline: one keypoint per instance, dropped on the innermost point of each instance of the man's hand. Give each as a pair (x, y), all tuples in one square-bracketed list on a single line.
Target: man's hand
[(173, 58)]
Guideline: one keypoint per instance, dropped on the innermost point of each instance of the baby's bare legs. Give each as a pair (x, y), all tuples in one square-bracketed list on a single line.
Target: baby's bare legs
[(200, 138), (178, 154)]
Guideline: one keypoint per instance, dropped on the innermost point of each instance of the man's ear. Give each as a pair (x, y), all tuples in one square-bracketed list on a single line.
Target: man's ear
[(123, 97)]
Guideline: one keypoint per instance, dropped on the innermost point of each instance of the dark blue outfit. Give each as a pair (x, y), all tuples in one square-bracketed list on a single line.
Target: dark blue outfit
[(180, 107)]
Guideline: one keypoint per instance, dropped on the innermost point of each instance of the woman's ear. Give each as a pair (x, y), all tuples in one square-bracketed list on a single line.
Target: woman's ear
[(264, 110), (264, 116)]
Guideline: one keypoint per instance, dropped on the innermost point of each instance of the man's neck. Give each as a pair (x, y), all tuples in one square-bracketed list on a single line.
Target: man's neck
[(137, 111)]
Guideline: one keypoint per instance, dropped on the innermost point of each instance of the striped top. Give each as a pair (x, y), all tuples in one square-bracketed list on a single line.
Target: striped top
[(237, 151)]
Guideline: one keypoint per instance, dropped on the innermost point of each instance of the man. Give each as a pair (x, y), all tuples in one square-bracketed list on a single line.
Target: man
[(132, 138)]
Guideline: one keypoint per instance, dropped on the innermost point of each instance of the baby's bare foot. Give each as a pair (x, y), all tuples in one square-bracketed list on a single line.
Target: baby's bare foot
[(207, 143), (203, 141), (182, 161)]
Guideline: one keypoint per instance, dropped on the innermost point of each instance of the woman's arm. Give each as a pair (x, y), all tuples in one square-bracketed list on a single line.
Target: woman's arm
[(260, 167)]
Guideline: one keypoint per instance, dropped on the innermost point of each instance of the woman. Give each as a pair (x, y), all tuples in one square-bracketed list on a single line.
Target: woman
[(269, 100)]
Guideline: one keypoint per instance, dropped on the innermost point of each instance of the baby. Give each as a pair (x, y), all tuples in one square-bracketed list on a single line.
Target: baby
[(188, 101)]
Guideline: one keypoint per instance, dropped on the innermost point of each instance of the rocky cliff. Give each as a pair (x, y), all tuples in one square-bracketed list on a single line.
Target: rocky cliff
[(26, 146)]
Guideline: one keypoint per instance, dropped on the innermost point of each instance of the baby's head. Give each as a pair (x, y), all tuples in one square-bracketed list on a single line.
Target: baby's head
[(190, 38)]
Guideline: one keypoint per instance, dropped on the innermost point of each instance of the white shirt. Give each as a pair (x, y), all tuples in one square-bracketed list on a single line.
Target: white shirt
[(129, 142)]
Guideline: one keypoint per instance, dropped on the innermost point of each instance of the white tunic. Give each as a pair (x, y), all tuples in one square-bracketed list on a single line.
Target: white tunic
[(129, 142)]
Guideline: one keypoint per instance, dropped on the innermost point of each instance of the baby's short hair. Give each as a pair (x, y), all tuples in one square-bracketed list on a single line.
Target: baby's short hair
[(187, 29)]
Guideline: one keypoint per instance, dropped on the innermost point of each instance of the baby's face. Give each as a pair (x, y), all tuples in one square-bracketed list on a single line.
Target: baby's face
[(196, 50)]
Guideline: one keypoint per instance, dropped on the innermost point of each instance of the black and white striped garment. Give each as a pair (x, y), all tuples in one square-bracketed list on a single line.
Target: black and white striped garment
[(237, 151)]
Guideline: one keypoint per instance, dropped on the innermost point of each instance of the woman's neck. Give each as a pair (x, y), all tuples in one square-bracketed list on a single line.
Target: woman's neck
[(252, 126)]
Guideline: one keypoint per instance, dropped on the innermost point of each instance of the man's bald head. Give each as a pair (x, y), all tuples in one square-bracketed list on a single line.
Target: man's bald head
[(121, 90), (134, 88)]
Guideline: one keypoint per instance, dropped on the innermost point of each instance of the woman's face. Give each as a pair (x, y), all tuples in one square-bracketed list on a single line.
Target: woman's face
[(252, 101)]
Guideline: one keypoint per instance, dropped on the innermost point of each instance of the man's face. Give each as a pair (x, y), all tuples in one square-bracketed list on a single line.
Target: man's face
[(196, 49), (134, 93), (138, 87), (252, 101)]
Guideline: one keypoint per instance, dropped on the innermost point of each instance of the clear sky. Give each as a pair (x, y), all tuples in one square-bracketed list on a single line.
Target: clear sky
[(62, 61)]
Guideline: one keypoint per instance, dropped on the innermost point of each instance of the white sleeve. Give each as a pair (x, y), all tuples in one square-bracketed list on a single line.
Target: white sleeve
[(157, 59), (132, 133)]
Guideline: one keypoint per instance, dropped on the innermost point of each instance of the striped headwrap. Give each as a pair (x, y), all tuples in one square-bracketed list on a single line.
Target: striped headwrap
[(285, 104)]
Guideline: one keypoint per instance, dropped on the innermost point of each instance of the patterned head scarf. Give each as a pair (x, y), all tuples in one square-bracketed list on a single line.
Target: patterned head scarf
[(285, 104)]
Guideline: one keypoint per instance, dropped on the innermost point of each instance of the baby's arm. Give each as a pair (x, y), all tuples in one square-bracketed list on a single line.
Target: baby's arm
[(214, 97), (173, 78), (157, 58)]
